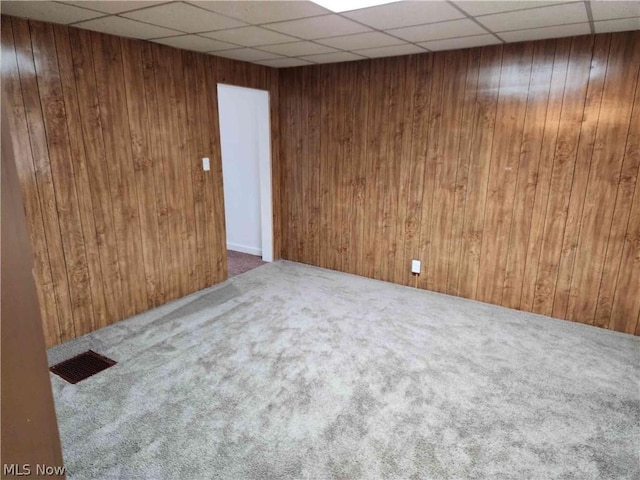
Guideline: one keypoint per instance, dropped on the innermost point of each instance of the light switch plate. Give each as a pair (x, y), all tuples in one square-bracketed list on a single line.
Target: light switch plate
[(206, 164), (415, 266)]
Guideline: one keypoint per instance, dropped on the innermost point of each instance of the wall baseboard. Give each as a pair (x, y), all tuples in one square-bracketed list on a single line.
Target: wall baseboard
[(244, 249)]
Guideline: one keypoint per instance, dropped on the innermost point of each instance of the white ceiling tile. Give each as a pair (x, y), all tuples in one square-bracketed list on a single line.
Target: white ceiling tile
[(184, 17), (433, 25), (284, 62), (258, 12), (463, 42), (610, 10), (247, 54), (318, 27), (475, 8), (114, 6), (620, 25), (333, 57), (361, 40), (396, 50), (250, 36), (297, 49), (537, 17), (126, 28), (436, 31), (48, 11), (403, 14), (547, 32), (195, 43)]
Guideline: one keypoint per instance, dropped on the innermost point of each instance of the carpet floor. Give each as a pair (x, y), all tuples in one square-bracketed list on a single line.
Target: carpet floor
[(292, 371), (239, 262)]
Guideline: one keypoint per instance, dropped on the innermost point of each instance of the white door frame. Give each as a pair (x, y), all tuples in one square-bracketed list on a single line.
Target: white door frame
[(264, 156)]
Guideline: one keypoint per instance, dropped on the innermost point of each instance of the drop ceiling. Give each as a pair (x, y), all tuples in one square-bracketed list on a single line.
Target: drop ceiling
[(292, 33)]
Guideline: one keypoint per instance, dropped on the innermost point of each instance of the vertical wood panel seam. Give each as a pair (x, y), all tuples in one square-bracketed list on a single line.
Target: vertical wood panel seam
[(429, 245), (615, 201), (427, 105), (98, 106), (133, 183), (615, 289), (513, 209), (472, 116), (37, 185), (365, 145), (577, 237), (484, 214), (53, 184), (595, 136), (551, 170), (198, 227), (75, 183), (454, 158), (538, 183), (573, 170), (457, 156), (522, 139), (412, 93), (111, 215)]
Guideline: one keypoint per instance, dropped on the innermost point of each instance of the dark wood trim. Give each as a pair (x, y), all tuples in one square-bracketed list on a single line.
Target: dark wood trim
[(29, 427)]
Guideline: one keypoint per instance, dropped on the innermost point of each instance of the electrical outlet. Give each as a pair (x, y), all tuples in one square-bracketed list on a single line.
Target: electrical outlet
[(415, 266), (206, 164)]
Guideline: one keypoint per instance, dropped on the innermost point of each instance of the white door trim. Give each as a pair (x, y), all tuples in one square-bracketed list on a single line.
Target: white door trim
[(266, 196)]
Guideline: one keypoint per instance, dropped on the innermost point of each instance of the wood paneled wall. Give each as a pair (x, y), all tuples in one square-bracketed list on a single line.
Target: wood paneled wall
[(510, 171), (110, 133)]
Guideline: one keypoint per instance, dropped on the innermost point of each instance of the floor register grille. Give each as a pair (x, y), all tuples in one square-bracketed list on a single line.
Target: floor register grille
[(82, 366)]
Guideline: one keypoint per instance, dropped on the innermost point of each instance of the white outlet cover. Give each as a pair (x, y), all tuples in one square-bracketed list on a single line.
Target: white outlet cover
[(206, 164)]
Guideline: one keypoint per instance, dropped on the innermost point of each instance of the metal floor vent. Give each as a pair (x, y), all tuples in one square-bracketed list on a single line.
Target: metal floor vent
[(82, 366)]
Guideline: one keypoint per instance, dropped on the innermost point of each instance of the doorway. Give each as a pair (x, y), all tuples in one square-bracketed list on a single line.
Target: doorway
[(245, 140)]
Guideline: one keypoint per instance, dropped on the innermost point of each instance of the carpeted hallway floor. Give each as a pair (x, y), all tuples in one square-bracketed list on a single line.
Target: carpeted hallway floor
[(239, 262), (291, 371)]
